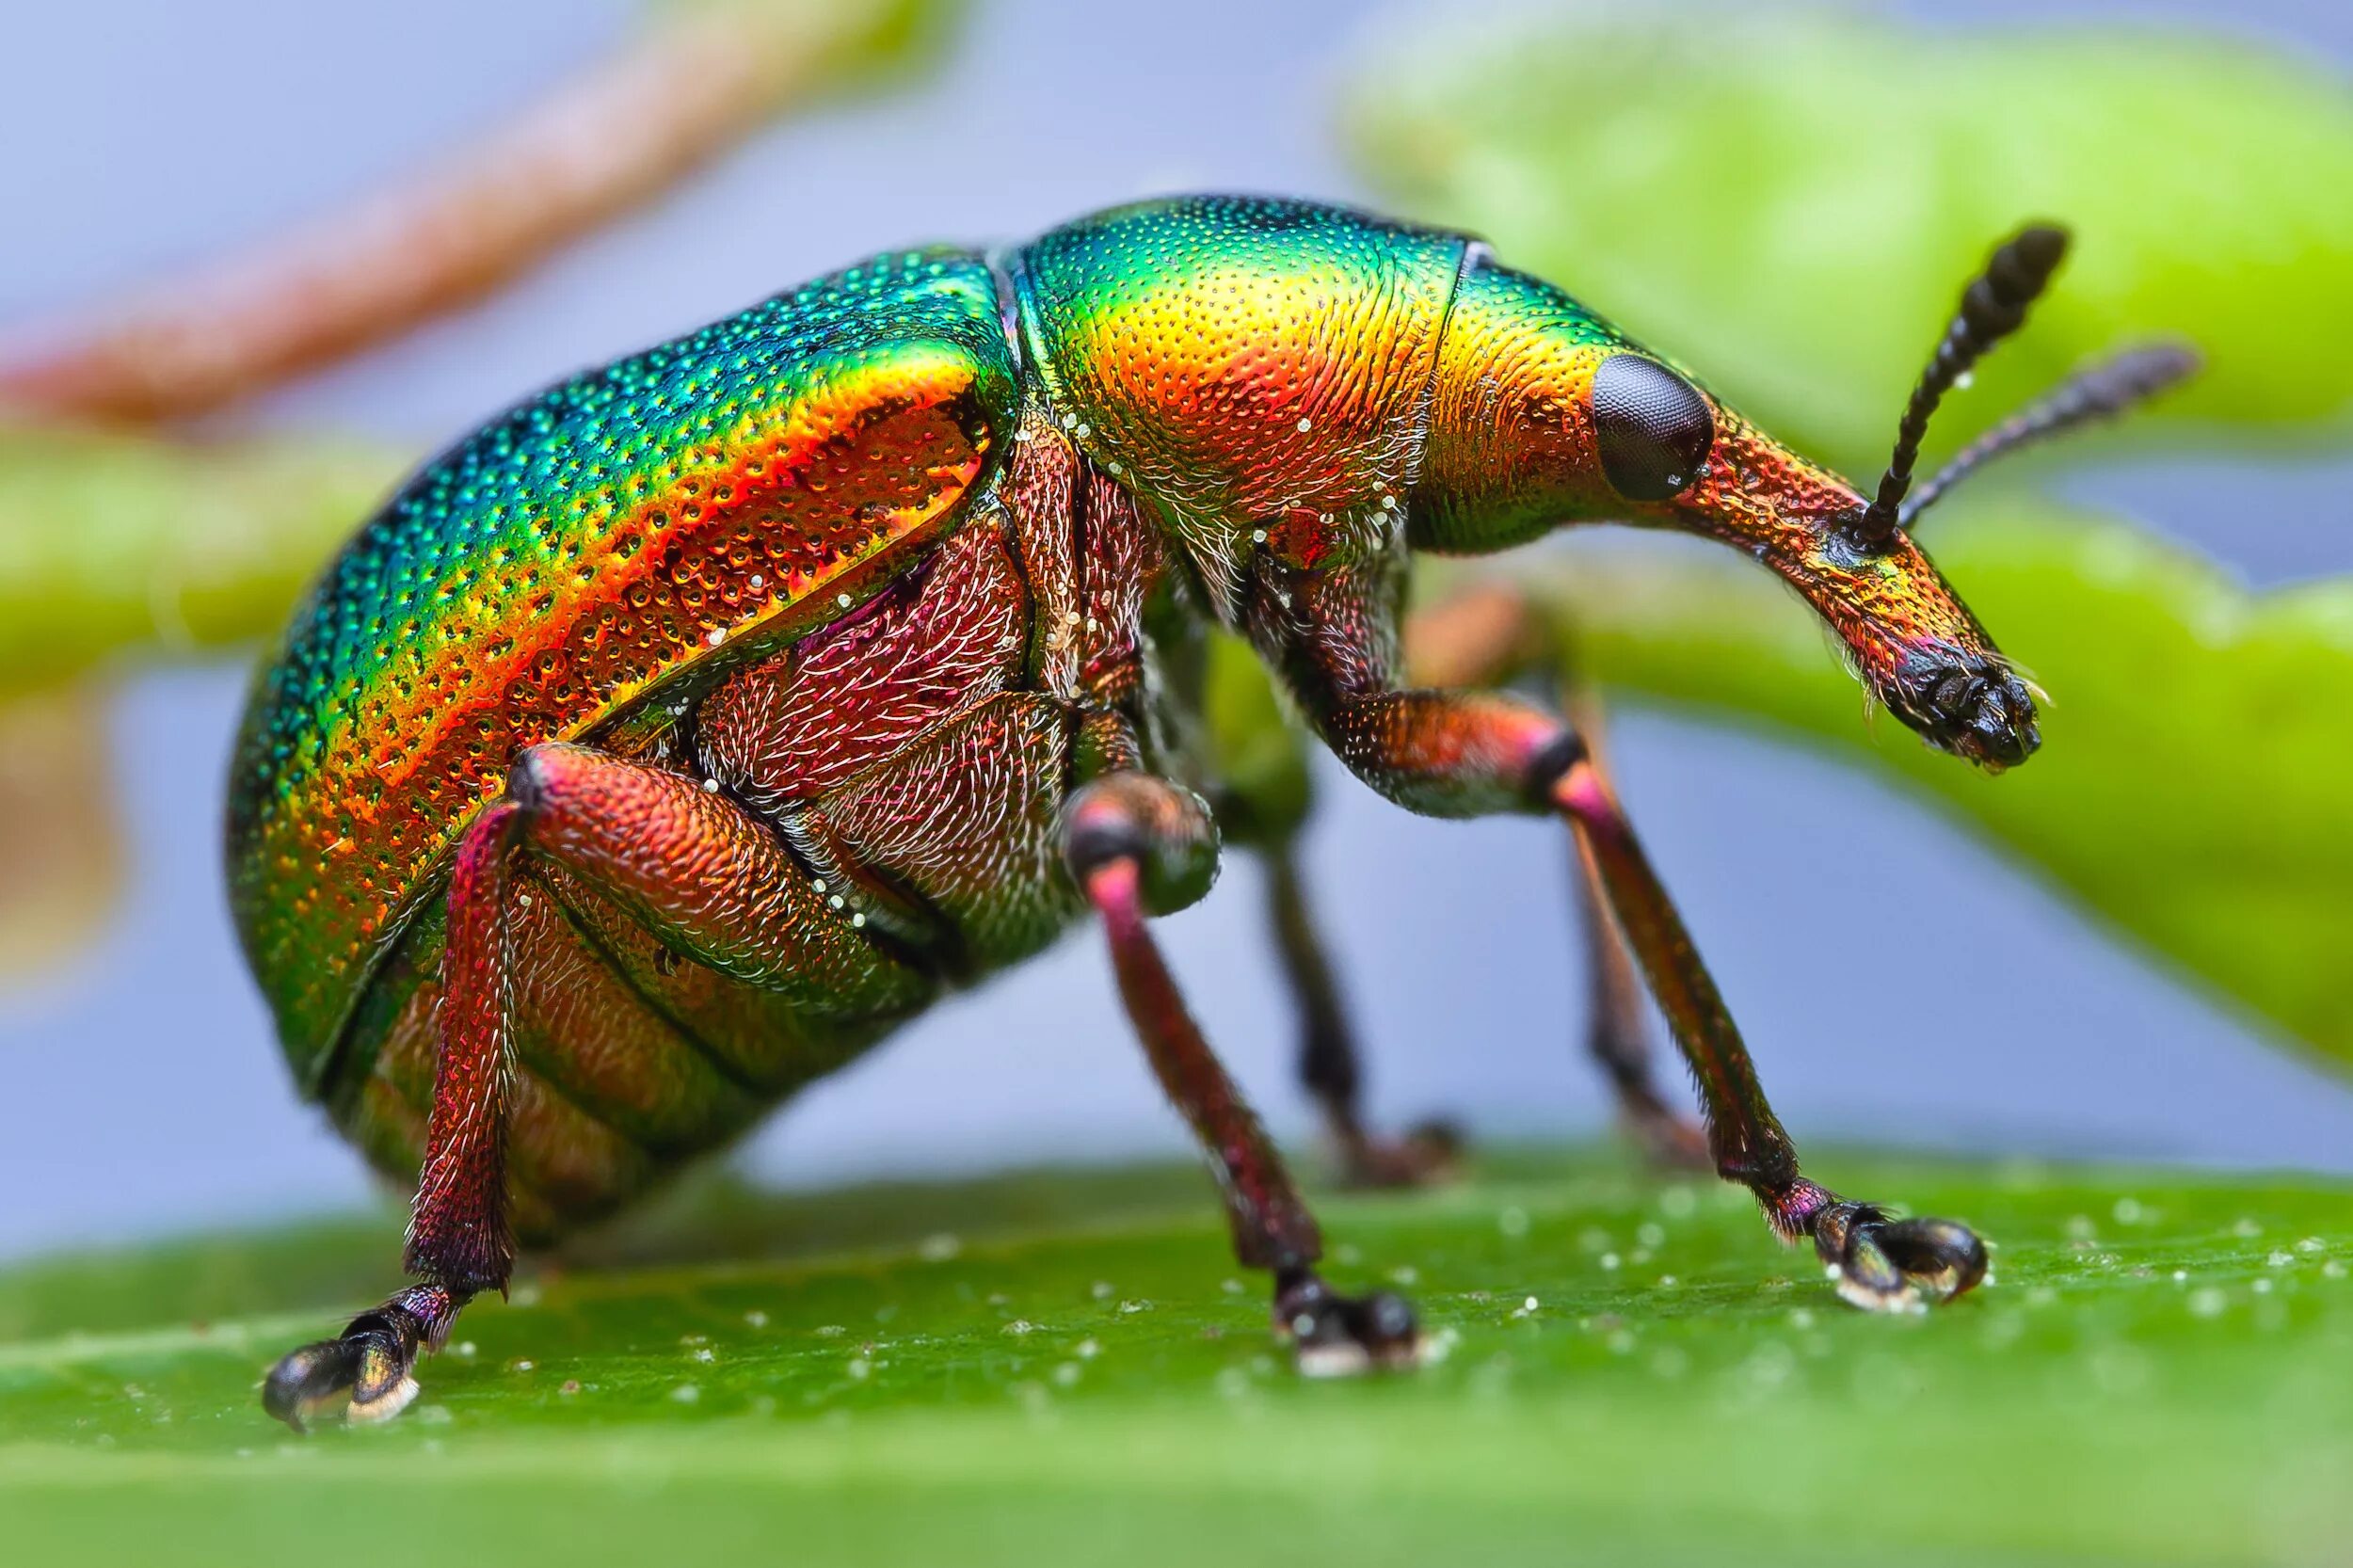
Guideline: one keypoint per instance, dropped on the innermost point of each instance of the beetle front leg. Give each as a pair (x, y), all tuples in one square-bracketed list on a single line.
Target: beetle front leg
[(1464, 753), (1131, 839), (696, 871), (1615, 1035)]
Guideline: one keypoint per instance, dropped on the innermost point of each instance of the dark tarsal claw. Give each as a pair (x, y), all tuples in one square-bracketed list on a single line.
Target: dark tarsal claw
[(305, 1380), (1887, 1265), (1337, 1335), (365, 1373)]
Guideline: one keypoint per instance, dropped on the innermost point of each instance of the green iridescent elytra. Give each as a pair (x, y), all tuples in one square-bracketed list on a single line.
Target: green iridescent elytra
[(558, 567)]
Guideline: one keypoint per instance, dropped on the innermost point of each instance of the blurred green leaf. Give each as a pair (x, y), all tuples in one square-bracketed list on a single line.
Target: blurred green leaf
[(1790, 201), (125, 544), (2157, 1375), (2192, 785)]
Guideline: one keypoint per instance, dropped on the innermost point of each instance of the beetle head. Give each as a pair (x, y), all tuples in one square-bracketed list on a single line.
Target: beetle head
[(1545, 415)]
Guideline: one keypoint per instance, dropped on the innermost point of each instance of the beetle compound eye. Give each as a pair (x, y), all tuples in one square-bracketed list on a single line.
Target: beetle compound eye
[(1654, 427)]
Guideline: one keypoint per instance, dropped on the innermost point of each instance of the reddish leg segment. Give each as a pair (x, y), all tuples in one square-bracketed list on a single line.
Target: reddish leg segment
[(1117, 831), (1458, 754), (699, 873), (459, 1239), (458, 1231), (1617, 1034)]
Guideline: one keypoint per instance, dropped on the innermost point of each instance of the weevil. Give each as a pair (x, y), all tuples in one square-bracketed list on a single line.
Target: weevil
[(665, 743)]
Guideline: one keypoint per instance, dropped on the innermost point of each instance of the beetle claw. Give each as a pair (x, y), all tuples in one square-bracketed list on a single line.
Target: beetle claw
[(1887, 1265), (365, 1375), (1337, 1335)]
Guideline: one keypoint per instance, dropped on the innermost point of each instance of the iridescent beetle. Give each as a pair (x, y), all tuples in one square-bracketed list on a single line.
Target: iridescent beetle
[(662, 746)]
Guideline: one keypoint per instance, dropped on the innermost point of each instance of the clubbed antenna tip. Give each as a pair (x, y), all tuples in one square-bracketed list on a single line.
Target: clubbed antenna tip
[(1992, 308)]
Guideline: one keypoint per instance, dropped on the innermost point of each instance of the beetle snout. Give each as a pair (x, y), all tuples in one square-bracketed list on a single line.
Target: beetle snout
[(1975, 708)]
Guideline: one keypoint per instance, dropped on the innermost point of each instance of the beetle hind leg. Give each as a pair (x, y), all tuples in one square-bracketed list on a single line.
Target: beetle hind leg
[(459, 1242), (1129, 839), (683, 862)]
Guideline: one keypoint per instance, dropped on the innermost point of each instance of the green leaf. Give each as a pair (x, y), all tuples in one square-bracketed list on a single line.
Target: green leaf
[(2191, 788), (1790, 201), (129, 545), (2158, 1374)]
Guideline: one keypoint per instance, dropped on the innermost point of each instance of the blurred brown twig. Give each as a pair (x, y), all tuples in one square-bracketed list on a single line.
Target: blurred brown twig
[(699, 79)]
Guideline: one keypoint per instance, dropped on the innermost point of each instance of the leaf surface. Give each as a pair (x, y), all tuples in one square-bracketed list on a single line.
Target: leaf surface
[(1031, 1369)]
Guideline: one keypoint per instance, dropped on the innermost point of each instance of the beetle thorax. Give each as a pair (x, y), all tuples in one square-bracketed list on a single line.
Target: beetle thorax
[(1259, 371)]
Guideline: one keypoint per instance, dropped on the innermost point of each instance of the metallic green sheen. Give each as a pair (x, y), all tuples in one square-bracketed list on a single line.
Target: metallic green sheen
[(373, 733)]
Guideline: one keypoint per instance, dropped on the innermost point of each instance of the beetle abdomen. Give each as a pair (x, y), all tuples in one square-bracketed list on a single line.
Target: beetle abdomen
[(559, 565)]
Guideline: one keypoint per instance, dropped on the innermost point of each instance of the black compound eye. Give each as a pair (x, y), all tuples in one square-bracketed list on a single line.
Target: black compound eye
[(1654, 427)]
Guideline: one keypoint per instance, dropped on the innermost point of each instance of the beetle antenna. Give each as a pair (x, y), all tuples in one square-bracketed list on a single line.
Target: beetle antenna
[(2098, 391), (1992, 308)]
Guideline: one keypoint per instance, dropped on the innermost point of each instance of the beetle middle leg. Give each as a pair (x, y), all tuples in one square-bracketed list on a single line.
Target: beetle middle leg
[(1265, 795), (1330, 1065), (1133, 841), (695, 870)]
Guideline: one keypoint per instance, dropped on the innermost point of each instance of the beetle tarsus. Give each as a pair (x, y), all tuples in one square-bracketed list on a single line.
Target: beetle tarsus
[(306, 1381), (365, 1373), (1880, 1263), (1337, 1335)]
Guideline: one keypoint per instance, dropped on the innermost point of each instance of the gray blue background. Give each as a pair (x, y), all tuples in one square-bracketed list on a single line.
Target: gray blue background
[(139, 1087)]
